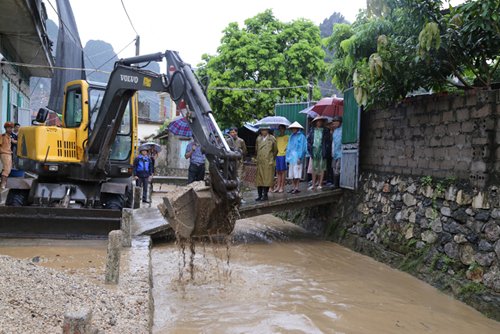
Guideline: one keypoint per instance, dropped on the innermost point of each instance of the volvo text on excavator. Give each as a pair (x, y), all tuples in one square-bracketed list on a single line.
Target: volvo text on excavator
[(83, 169)]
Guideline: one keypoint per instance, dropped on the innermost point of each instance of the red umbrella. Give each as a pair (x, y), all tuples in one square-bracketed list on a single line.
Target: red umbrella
[(329, 107)]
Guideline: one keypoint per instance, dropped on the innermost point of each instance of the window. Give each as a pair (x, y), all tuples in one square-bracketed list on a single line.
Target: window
[(73, 111)]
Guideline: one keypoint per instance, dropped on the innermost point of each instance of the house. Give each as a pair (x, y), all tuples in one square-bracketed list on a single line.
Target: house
[(25, 51)]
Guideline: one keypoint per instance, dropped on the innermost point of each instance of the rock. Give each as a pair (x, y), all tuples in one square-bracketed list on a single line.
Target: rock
[(420, 245), (495, 213), (395, 181), (473, 238), (429, 237), (467, 254), (436, 226), (412, 217), (482, 216), (460, 239), (445, 237), (451, 249), (428, 192), (386, 208), (412, 188), (492, 279), (497, 249), (475, 274), (446, 211), (460, 215), (399, 216), (386, 188), (409, 233), (380, 186), (485, 259), (480, 201), (451, 194), (475, 226), (485, 246), (430, 213), (424, 223), (453, 227), (492, 231), (469, 211), (463, 198), (409, 200)]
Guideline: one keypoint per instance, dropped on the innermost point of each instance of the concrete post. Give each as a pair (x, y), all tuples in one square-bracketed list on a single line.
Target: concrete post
[(126, 227), (137, 197), (78, 322), (113, 258)]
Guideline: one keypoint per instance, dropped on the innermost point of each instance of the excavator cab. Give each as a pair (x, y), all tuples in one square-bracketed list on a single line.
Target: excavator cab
[(85, 162)]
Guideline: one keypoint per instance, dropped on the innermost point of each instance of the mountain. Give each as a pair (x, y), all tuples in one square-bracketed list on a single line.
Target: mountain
[(99, 58), (326, 29)]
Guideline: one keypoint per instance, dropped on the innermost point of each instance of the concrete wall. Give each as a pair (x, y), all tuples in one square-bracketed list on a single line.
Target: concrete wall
[(440, 136)]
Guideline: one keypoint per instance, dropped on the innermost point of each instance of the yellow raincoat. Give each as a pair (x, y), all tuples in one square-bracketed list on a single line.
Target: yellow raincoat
[(266, 160)]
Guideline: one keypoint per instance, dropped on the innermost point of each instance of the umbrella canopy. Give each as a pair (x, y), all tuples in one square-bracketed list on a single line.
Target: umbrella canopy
[(327, 107), (273, 121), (149, 145), (180, 127)]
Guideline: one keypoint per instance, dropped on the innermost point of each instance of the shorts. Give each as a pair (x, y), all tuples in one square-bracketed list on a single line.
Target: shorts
[(280, 164), (295, 171)]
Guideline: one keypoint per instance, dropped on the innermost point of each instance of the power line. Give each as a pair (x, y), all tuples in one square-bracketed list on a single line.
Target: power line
[(50, 67), (69, 31), (125, 9), (256, 89), (110, 59)]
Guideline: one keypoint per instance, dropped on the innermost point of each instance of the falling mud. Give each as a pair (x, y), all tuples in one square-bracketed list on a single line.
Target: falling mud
[(297, 286)]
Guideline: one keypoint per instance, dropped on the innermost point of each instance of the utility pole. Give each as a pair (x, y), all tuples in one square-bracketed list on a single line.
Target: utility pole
[(137, 44)]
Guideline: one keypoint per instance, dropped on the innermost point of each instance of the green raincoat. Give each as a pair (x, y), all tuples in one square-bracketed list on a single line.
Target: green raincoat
[(266, 160)]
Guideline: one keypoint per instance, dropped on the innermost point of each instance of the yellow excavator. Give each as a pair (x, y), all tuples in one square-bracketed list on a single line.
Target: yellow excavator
[(81, 172)]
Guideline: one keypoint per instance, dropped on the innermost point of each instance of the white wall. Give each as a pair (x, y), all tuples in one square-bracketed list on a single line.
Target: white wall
[(146, 130)]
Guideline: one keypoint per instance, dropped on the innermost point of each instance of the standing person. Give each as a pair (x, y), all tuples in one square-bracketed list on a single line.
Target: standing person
[(329, 158), (336, 149), (143, 169), (14, 136), (196, 171), (318, 145), (295, 155), (281, 142), (153, 154), (6, 153), (237, 144), (266, 149)]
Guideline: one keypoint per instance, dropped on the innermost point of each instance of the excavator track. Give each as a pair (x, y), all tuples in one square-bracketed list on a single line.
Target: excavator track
[(57, 223)]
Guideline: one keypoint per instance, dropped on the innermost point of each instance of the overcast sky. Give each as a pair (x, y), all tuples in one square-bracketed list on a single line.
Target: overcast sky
[(192, 27)]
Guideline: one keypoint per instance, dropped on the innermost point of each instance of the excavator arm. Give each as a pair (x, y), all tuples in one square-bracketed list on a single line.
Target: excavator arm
[(197, 210)]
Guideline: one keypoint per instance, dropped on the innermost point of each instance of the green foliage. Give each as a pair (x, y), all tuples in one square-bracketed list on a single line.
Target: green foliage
[(396, 47), (426, 180), (264, 53), (471, 288)]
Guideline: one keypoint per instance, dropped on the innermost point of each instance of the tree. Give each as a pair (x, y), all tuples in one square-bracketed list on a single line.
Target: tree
[(398, 46), (261, 56)]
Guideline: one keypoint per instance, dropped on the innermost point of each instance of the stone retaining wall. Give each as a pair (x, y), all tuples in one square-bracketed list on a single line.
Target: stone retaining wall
[(438, 226)]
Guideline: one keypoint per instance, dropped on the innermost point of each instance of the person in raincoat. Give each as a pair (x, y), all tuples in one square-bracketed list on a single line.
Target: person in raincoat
[(295, 155), (282, 143), (266, 149), (319, 147), (336, 149)]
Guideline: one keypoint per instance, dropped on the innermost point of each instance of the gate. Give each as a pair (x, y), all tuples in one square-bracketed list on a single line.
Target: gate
[(349, 165)]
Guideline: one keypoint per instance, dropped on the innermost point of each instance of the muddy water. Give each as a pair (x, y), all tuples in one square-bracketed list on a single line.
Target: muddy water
[(299, 287), (87, 257)]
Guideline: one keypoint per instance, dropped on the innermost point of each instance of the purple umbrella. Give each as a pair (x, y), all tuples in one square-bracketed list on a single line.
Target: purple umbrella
[(180, 127)]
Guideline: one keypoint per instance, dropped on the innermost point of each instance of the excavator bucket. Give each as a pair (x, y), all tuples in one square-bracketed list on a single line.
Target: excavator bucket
[(195, 211)]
